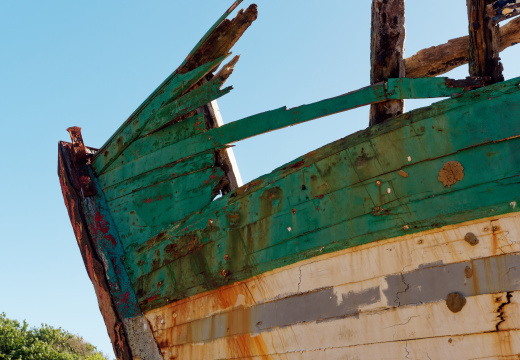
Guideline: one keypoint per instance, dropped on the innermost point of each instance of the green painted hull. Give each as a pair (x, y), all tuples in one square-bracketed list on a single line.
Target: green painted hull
[(376, 184)]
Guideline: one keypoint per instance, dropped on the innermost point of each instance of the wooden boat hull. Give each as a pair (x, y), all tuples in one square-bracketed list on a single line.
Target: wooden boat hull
[(384, 300), (400, 241)]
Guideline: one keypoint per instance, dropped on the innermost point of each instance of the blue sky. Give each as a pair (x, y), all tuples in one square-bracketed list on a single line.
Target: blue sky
[(91, 63)]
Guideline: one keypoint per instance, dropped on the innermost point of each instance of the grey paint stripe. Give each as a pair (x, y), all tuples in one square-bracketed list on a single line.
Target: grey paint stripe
[(490, 275)]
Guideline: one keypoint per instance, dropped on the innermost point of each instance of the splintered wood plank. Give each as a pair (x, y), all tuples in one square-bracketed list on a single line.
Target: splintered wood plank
[(484, 42), (219, 40), (210, 52), (170, 89), (191, 101), (387, 53)]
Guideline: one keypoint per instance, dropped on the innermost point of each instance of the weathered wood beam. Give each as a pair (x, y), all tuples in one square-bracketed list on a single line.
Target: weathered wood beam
[(484, 40), (501, 10), (387, 53), (438, 60)]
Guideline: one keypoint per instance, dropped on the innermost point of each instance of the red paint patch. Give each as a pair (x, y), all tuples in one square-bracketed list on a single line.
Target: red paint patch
[(101, 225), (151, 298), (320, 196)]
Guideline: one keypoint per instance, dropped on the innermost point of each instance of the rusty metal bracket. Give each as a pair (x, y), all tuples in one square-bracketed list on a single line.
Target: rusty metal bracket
[(81, 161)]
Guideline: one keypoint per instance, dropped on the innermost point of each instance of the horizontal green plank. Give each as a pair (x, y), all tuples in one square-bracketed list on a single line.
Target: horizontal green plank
[(167, 136), (331, 208), (194, 274), (232, 224), (163, 203), (366, 158), (165, 173)]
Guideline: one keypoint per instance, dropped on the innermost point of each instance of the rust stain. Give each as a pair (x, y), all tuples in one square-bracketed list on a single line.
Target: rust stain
[(494, 236), (451, 173), (471, 239), (455, 302), (403, 173), (468, 272)]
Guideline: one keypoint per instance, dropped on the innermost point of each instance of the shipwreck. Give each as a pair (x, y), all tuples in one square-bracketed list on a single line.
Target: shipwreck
[(401, 241)]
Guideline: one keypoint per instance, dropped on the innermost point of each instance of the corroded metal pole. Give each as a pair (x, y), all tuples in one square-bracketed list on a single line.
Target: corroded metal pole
[(484, 42), (387, 53)]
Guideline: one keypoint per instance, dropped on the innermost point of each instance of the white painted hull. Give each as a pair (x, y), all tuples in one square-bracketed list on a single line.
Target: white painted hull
[(350, 305)]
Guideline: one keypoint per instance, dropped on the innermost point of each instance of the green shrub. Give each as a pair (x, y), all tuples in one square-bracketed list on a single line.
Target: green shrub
[(18, 342)]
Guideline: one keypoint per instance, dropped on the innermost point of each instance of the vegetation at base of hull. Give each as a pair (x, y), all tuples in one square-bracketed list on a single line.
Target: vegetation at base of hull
[(18, 342)]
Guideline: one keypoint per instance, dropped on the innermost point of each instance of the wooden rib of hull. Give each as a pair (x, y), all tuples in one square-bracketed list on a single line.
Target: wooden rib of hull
[(374, 301)]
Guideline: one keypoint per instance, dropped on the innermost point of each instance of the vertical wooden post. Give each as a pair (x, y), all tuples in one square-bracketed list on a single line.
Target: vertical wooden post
[(387, 53), (484, 42)]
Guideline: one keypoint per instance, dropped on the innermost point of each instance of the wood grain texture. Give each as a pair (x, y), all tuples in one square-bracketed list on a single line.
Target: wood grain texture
[(438, 60), (484, 42), (387, 53)]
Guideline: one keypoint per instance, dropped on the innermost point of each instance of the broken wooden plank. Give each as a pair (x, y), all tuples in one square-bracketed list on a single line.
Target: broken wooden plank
[(438, 60), (209, 32), (387, 53), (501, 10), (277, 119), (171, 88), (216, 45), (192, 100), (220, 40), (484, 40)]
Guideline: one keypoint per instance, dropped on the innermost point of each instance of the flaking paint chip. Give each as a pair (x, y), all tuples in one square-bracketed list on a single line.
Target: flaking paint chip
[(403, 173), (451, 173)]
